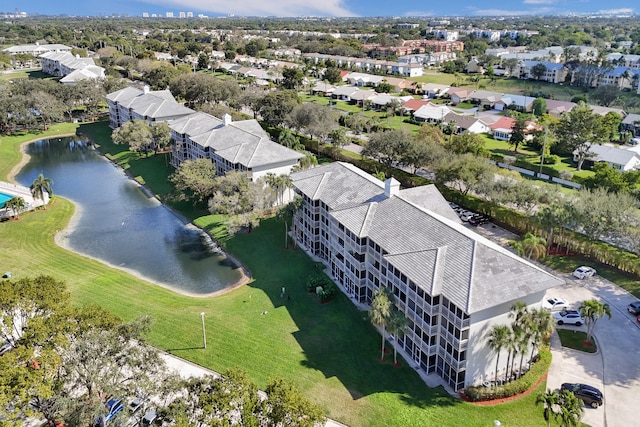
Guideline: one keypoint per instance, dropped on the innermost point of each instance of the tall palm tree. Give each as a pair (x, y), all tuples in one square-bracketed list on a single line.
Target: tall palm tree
[(519, 313), (39, 186), (542, 325), (549, 218), (398, 325), (571, 409), (284, 182), (16, 204), (497, 340), (592, 310), (381, 312), (534, 247), (550, 401)]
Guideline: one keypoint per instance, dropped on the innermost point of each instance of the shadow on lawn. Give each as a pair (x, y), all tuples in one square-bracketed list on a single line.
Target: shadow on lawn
[(337, 339)]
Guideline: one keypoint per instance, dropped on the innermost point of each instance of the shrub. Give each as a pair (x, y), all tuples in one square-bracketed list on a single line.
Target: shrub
[(566, 175), (522, 384), (551, 159), (323, 287)]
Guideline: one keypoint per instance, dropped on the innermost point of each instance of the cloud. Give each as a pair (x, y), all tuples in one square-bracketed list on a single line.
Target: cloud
[(539, 1), (258, 7), (616, 11), (502, 12)]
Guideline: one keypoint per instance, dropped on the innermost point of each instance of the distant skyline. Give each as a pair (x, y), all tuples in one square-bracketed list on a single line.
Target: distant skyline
[(411, 8)]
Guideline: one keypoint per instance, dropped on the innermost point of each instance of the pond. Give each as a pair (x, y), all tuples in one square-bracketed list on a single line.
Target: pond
[(118, 223)]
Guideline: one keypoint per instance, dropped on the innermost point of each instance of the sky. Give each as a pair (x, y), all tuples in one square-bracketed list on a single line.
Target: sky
[(406, 8)]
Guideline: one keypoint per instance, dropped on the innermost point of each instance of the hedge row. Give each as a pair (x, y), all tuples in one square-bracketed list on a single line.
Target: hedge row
[(522, 384)]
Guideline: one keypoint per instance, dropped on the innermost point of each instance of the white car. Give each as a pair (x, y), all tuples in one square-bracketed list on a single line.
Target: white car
[(555, 304), (568, 317), (584, 272)]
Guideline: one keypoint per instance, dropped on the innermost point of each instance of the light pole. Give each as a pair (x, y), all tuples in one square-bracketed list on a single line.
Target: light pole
[(204, 333)]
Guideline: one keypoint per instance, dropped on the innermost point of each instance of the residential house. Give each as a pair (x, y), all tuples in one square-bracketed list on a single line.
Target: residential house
[(451, 284), (458, 94), (434, 90), (485, 99), (620, 159), (474, 66), (631, 123), (520, 103), (502, 128), (431, 113), (362, 97), (413, 105), (323, 89), (400, 84), (557, 108), (467, 123), (344, 93), (382, 100), (361, 79)]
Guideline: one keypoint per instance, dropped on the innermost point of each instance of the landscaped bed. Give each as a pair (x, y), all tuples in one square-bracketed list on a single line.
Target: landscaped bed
[(577, 340)]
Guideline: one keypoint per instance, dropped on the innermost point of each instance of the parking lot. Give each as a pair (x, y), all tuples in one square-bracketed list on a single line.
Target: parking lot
[(615, 368)]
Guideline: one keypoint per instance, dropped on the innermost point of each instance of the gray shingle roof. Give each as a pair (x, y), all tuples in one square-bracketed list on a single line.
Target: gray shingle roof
[(435, 251), (245, 143)]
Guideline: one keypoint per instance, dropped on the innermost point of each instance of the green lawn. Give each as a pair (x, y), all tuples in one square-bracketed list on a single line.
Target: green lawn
[(330, 351), (576, 340)]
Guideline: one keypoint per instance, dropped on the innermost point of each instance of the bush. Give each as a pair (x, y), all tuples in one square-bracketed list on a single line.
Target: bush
[(323, 287), (522, 384), (551, 159)]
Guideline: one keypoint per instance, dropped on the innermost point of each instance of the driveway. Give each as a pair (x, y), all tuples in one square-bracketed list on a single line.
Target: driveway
[(615, 369)]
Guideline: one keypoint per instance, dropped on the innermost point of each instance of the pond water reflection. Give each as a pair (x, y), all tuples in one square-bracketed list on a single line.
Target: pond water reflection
[(121, 225)]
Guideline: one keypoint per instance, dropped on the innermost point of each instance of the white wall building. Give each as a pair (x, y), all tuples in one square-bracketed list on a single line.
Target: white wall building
[(450, 283)]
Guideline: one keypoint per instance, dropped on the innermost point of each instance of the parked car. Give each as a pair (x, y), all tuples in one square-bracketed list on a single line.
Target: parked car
[(569, 317), (584, 272), (136, 404), (149, 418), (114, 406), (634, 308), (555, 304), (589, 395)]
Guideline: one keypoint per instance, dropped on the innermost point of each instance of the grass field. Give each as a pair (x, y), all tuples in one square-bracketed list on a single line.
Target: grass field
[(330, 351), (576, 340)]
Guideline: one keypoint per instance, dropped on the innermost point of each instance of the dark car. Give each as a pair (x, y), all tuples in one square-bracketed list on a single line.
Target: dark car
[(634, 308), (589, 395)]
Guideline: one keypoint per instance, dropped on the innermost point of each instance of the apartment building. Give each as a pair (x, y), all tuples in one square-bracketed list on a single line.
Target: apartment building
[(450, 283), (231, 146)]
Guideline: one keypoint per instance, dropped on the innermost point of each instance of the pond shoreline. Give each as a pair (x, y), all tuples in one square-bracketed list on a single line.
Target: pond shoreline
[(61, 240)]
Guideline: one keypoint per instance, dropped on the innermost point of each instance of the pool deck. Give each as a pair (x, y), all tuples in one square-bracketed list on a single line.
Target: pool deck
[(20, 191)]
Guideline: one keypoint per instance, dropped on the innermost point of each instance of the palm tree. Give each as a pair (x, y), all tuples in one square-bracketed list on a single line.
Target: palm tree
[(284, 182), (550, 401), (381, 312), (39, 186), (16, 204), (519, 313), (497, 340), (398, 325), (591, 310), (571, 409), (534, 247), (541, 325), (549, 218)]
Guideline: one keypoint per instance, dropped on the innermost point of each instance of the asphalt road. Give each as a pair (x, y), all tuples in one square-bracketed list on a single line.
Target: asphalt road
[(615, 368)]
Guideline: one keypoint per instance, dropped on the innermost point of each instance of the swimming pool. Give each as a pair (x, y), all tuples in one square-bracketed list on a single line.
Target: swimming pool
[(4, 198)]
